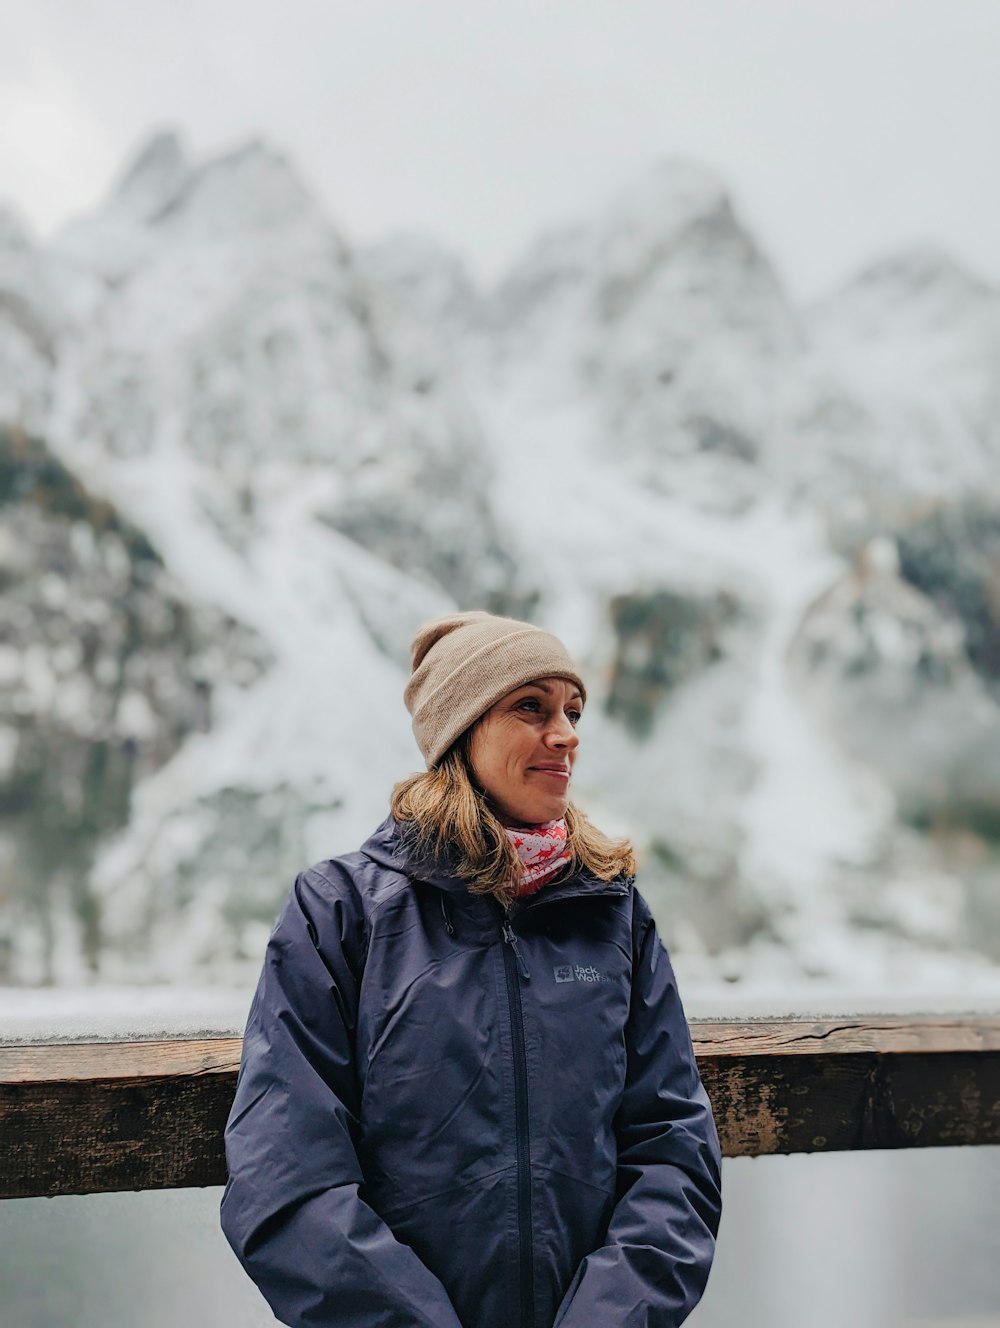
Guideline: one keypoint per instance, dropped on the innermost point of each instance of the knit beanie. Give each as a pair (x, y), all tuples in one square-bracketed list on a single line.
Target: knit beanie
[(465, 662)]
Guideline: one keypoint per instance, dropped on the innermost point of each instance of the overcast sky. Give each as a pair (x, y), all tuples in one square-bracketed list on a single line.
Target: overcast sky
[(845, 128)]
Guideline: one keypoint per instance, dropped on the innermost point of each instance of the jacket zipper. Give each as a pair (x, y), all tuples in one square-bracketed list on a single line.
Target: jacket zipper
[(511, 939), (513, 964), (513, 961)]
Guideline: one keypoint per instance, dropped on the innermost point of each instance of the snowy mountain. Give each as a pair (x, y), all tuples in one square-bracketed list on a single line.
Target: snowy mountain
[(900, 392), (745, 518), (668, 324)]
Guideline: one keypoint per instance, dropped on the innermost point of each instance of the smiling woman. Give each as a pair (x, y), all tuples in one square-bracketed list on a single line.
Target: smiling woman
[(468, 1094), (522, 750)]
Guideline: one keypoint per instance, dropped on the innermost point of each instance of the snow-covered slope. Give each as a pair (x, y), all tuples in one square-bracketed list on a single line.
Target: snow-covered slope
[(106, 670), (241, 393), (668, 323), (31, 317), (899, 397), (637, 439)]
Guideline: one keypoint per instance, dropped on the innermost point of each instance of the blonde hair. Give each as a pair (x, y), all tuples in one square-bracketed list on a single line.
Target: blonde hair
[(452, 816)]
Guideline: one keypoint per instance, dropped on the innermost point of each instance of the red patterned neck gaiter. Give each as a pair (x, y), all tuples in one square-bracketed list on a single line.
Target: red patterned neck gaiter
[(543, 853)]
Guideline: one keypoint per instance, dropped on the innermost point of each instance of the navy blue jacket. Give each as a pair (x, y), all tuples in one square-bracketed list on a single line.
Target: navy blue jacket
[(447, 1116)]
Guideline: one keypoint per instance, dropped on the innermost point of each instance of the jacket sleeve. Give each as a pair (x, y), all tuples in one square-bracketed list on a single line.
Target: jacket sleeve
[(653, 1267), (291, 1208)]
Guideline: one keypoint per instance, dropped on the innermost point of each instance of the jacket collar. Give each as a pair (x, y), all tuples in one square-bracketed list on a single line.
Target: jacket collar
[(393, 845)]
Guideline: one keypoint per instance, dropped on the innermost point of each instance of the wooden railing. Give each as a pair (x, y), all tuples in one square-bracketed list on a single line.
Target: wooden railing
[(83, 1117)]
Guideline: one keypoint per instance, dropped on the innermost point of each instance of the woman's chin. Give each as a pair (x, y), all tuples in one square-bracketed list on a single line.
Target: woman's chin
[(538, 811)]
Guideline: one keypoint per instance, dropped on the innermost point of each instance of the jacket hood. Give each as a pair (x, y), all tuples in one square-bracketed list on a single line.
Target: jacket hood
[(394, 846)]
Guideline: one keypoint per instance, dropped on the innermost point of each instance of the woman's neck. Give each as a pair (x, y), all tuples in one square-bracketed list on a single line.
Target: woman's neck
[(543, 853)]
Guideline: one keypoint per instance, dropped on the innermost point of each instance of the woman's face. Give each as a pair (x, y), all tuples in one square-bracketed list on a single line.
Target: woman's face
[(522, 750)]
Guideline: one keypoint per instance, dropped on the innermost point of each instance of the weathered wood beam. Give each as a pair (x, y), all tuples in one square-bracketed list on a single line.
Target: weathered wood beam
[(800, 1086), (79, 1118)]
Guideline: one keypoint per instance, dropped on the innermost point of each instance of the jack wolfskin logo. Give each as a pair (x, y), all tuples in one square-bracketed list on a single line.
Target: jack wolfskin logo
[(577, 973), (588, 974)]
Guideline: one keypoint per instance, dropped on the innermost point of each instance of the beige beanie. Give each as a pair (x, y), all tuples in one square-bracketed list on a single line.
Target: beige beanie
[(465, 662)]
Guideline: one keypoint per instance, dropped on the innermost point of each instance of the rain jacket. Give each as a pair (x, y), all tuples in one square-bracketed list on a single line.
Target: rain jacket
[(449, 1116)]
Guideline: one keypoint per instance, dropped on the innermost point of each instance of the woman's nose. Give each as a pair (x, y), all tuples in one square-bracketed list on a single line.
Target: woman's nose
[(562, 734)]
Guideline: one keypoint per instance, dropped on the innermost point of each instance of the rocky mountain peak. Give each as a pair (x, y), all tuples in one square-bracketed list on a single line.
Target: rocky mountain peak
[(674, 232), (153, 177), (164, 201), (663, 277), (254, 187), (921, 270), (914, 292), (657, 207)]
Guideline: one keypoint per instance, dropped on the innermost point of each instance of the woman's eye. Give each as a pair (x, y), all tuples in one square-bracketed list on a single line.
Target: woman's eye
[(529, 703), (574, 716)]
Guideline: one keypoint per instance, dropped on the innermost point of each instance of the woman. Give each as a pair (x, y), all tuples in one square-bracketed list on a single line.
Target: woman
[(468, 1094)]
